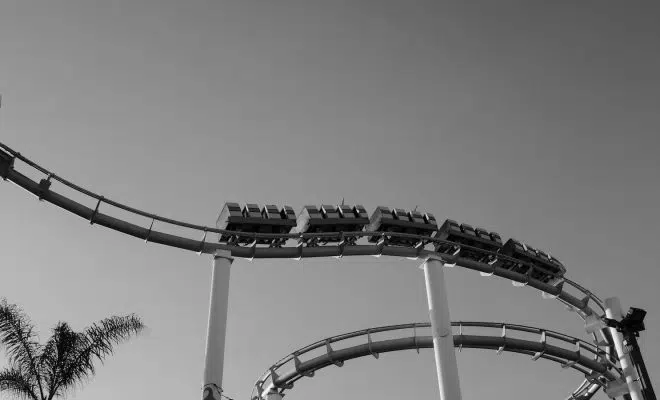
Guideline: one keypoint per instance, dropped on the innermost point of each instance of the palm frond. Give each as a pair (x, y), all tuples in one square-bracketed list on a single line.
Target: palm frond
[(94, 344), (13, 381), (58, 348), (19, 339)]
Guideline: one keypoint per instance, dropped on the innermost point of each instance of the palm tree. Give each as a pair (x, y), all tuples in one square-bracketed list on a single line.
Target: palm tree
[(52, 370)]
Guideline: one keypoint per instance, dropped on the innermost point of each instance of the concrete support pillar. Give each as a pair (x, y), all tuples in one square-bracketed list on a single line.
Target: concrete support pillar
[(613, 311), (274, 396), (217, 326), (443, 340)]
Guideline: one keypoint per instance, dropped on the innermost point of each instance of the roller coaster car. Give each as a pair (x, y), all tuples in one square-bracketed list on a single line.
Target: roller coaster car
[(400, 221), (551, 263), (467, 235), (332, 219), (252, 219), (546, 268), (519, 251), (6, 163)]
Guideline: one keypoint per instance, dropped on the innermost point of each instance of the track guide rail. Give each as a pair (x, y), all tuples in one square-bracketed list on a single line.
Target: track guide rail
[(579, 302), (500, 337)]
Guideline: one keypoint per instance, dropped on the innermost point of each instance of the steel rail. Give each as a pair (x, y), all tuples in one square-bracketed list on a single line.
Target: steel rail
[(93, 195), (460, 324), (299, 251), (201, 246), (599, 370), (580, 305)]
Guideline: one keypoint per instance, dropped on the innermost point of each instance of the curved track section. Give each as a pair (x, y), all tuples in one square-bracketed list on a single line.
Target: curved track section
[(568, 351), (99, 210), (95, 215)]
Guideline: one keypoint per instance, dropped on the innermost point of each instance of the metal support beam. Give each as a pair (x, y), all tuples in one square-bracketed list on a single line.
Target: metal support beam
[(217, 326), (613, 311), (443, 340)]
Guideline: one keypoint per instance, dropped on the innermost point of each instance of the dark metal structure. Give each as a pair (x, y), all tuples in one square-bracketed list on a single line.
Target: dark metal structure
[(630, 326)]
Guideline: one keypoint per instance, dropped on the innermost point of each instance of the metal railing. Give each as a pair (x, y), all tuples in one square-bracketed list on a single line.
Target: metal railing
[(569, 351)]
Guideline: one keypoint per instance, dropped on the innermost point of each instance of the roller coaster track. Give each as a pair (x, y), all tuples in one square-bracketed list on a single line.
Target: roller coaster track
[(580, 300), (568, 351)]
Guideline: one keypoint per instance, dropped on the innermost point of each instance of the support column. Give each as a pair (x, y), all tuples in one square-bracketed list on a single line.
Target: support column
[(613, 311), (274, 395), (443, 340), (217, 326)]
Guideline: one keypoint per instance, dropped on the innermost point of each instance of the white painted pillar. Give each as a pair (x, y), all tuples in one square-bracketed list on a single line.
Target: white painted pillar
[(273, 395), (613, 311), (443, 339), (217, 327)]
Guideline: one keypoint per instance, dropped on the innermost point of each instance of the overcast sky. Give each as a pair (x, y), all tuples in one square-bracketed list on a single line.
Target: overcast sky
[(539, 121)]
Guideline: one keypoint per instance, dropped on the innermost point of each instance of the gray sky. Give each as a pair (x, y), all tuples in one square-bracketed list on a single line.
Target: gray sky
[(539, 121)]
